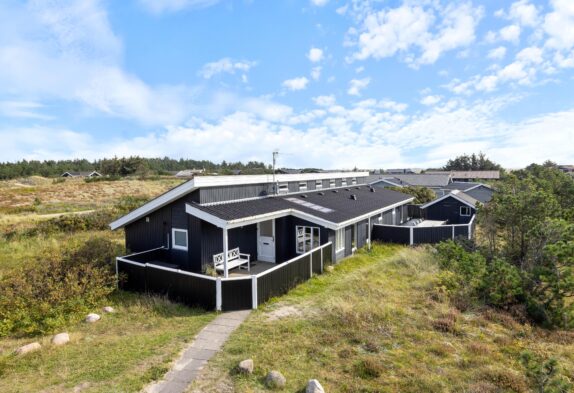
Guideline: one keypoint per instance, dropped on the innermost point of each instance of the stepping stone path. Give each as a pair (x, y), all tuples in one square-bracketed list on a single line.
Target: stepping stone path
[(91, 318), (206, 344)]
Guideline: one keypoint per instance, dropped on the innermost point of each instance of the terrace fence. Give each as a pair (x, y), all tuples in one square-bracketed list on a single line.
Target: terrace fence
[(135, 273)]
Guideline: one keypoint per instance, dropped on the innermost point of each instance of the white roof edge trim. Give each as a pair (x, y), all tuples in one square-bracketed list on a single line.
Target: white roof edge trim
[(387, 181), (213, 181), (446, 196), (479, 185), (154, 204), (218, 222)]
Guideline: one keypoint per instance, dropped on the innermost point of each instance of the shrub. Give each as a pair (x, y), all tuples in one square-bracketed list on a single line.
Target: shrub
[(503, 284), (544, 375), (56, 290), (368, 368)]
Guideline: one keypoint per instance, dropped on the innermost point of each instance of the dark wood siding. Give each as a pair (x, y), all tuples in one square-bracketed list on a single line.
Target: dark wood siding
[(448, 210), (362, 233), (143, 234), (228, 193), (212, 241), (349, 240), (285, 228)]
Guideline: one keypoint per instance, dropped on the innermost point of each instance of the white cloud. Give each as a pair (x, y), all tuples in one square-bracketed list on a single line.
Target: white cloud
[(510, 33), (316, 73), (497, 53), (356, 85), (524, 12), (559, 25), (165, 6), (68, 51), (324, 100), (225, 65), (420, 34), (22, 109), (299, 83), (315, 55), (319, 3), (430, 100)]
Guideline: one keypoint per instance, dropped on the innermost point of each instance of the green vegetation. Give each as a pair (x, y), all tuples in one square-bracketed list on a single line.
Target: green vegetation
[(125, 166), (120, 353), (380, 322), (471, 162), (422, 194)]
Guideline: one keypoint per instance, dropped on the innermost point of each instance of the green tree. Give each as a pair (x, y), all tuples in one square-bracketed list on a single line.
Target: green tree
[(422, 194), (471, 162)]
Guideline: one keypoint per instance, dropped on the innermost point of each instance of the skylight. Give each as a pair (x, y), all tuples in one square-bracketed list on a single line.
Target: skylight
[(310, 205)]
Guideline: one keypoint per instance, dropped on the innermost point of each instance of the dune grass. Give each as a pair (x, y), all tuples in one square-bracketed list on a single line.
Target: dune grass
[(378, 324), (120, 353)]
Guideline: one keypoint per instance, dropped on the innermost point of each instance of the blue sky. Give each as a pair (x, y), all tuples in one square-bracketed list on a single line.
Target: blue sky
[(330, 83)]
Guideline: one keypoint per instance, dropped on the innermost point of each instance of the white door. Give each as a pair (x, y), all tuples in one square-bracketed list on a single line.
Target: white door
[(266, 241)]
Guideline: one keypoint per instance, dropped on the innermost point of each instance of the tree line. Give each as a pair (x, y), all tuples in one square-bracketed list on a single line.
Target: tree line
[(125, 166)]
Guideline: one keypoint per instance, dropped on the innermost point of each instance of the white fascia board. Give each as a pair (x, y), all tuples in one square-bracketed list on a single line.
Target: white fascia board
[(154, 204), (213, 181), (370, 214), (386, 181), (218, 222), (478, 186), (453, 195)]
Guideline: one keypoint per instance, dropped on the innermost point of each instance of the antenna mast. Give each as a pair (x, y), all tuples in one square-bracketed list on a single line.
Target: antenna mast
[(275, 154)]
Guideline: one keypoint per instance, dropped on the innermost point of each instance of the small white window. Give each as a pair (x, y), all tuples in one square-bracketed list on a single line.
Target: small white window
[(179, 239), (465, 211), (343, 182), (303, 186), (318, 184), (340, 239), (283, 188), (332, 183), (354, 181)]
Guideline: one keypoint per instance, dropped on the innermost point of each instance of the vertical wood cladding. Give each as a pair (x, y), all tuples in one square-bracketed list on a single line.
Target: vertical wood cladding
[(448, 210), (229, 193), (212, 241), (285, 239)]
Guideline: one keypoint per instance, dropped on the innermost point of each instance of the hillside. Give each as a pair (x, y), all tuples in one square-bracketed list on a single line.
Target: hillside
[(379, 324)]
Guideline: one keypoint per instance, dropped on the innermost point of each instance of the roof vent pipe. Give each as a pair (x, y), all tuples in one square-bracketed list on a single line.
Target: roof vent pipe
[(321, 193), (372, 189), (304, 196), (353, 197)]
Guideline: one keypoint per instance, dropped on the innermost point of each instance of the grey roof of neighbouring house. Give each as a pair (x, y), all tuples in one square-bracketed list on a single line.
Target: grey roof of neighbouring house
[(425, 180), (456, 194), (460, 185), (468, 174), (338, 200)]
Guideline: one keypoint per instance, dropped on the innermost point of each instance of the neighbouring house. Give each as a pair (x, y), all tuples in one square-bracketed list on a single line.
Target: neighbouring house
[(566, 168), (189, 173), (81, 174), (479, 191), (455, 207), (458, 176), (259, 234), (419, 180)]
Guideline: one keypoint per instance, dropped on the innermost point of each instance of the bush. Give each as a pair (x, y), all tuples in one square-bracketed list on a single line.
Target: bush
[(503, 284), (56, 290), (544, 375)]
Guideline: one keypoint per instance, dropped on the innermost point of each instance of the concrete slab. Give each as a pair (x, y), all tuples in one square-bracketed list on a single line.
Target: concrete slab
[(194, 358)]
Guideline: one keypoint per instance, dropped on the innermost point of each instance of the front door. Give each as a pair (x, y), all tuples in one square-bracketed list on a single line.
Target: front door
[(266, 241)]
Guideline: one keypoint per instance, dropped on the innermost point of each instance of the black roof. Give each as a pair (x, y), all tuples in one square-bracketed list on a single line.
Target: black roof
[(339, 201)]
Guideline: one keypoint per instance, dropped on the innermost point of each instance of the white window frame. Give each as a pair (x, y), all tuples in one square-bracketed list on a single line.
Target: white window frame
[(343, 182), (467, 209), (340, 239), (303, 186), (318, 184), (332, 183), (304, 237), (175, 246), (282, 188), (353, 181)]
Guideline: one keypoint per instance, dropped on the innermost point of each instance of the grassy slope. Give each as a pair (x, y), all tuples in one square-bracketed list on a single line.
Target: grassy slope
[(377, 324), (123, 351), (120, 353)]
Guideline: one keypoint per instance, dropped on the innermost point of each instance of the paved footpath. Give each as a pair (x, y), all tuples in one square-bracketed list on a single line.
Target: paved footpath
[(206, 344)]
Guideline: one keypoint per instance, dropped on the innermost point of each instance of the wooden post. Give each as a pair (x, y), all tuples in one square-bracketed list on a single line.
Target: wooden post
[(453, 232), (369, 229), (322, 259), (218, 296), (411, 235), (254, 299), (225, 249)]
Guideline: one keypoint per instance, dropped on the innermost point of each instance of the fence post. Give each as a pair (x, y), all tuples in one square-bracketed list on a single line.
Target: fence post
[(470, 230), (322, 248), (254, 299), (453, 232), (311, 264), (411, 235), (218, 296), (117, 275)]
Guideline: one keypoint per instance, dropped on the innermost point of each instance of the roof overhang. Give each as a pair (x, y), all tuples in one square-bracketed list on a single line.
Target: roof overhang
[(449, 195), (224, 224)]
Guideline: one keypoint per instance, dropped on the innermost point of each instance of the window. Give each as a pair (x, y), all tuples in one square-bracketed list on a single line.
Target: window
[(283, 188), (179, 239), (465, 211), (318, 184), (354, 181), (343, 182), (340, 239), (332, 183), (307, 238), (303, 186)]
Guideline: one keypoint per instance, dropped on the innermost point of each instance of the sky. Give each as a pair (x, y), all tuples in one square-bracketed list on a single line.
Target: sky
[(329, 83)]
